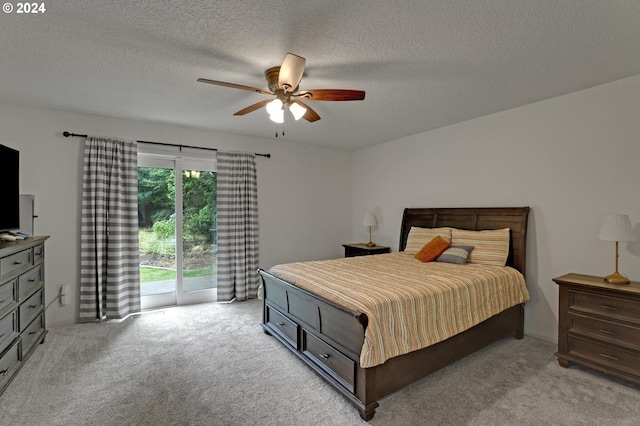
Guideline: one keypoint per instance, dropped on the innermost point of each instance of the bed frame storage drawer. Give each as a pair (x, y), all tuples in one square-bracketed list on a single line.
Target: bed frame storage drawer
[(282, 326), (340, 367)]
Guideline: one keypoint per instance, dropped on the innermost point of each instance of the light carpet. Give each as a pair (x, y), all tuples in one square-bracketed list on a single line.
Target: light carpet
[(211, 364)]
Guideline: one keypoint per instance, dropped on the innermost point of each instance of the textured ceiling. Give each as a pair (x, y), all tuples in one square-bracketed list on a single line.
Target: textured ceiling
[(423, 64)]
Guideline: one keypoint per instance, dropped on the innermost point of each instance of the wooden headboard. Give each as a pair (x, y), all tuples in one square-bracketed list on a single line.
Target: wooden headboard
[(475, 219)]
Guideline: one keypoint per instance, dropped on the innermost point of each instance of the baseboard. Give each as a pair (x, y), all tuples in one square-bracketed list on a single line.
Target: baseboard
[(542, 336)]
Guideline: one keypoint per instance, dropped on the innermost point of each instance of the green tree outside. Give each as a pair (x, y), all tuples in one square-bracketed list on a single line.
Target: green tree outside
[(157, 220)]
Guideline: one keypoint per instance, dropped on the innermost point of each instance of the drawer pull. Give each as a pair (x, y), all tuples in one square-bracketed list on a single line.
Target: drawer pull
[(610, 333), (609, 308), (17, 262), (280, 324), (609, 357), (32, 333), (324, 356), (33, 306), (32, 280), (4, 372)]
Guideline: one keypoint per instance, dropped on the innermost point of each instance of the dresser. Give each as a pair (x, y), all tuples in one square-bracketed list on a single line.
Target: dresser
[(599, 325), (361, 249), (22, 323)]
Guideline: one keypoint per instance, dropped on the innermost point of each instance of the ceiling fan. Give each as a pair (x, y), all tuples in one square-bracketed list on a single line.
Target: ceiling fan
[(283, 82)]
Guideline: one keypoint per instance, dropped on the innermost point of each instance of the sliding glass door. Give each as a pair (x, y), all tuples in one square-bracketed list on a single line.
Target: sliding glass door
[(177, 218)]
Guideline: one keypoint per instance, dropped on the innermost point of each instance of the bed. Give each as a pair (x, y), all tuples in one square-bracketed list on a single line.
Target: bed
[(329, 337)]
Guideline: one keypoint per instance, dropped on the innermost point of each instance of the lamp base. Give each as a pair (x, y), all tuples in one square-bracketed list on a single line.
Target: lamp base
[(616, 278), (371, 244)]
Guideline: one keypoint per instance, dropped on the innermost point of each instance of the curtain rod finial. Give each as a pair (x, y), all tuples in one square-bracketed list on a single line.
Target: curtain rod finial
[(66, 134)]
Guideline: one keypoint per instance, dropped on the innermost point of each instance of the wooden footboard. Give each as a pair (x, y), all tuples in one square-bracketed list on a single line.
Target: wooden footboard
[(327, 335), (329, 338)]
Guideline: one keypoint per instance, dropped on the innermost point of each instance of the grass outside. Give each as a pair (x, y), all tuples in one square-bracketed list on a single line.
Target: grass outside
[(150, 274), (150, 243)]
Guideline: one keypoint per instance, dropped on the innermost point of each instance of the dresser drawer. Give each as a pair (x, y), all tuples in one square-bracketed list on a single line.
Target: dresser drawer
[(8, 330), (606, 306), (283, 326), (15, 261), (30, 308), (8, 297), (9, 362), (617, 358), (32, 333), (619, 334), (38, 253), (30, 282), (22, 304), (329, 359)]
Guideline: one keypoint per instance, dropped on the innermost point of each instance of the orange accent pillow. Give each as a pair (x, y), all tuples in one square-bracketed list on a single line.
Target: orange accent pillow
[(432, 249)]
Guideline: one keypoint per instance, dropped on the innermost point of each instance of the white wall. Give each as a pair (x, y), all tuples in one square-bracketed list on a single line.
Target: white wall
[(573, 159), (304, 191)]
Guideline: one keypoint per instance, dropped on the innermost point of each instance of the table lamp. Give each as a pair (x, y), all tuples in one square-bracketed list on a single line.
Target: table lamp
[(370, 220), (617, 227)]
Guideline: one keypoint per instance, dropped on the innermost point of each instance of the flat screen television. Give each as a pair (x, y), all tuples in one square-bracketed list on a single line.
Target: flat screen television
[(9, 189)]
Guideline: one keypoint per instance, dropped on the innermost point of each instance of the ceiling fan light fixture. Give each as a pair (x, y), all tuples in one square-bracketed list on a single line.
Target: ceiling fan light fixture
[(277, 116), (297, 110), (283, 82), (274, 107)]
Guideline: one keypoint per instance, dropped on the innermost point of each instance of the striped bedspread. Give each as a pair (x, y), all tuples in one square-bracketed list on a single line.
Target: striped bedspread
[(410, 304)]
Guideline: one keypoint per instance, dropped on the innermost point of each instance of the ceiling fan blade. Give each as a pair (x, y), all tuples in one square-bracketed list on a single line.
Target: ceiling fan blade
[(234, 86), (253, 107), (332, 95), (291, 72), (310, 115)]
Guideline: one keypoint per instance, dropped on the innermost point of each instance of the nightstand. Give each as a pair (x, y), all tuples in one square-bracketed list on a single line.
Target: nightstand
[(599, 325), (361, 249)]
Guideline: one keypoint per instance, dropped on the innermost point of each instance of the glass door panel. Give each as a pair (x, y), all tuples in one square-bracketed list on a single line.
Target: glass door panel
[(156, 234), (176, 210), (198, 229)]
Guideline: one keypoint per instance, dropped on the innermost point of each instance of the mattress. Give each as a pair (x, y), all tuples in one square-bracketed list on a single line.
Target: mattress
[(410, 304)]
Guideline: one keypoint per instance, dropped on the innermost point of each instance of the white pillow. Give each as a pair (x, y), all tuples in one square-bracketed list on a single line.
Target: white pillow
[(418, 237), (490, 247)]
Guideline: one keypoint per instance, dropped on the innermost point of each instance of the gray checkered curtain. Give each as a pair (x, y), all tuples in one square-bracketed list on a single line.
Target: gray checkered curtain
[(237, 196), (109, 257)]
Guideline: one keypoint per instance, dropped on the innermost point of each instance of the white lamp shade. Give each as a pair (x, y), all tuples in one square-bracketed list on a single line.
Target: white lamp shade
[(297, 110), (617, 227), (274, 106), (277, 116), (370, 220)]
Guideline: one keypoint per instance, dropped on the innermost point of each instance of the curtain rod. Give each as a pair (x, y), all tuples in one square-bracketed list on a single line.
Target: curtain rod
[(67, 134)]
